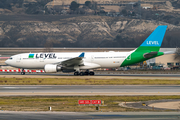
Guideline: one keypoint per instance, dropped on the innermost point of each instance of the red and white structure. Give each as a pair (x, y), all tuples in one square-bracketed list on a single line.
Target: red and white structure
[(19, 71)]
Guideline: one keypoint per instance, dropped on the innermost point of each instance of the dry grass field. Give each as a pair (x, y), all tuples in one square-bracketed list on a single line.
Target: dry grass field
[(85, 80), (41, 103)]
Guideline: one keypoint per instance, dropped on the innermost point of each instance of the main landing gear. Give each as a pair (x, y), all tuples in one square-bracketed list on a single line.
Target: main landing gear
[(22, 71), (83, 73)]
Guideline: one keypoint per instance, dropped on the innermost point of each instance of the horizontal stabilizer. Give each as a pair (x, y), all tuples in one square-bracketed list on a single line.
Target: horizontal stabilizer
[(169, 52), (149, 55)]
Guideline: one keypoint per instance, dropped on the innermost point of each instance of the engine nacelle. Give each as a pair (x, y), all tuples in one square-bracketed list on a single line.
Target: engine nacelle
[(51, 68)]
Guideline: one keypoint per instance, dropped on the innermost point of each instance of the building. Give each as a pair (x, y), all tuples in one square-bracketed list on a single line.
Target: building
[(167, 60)]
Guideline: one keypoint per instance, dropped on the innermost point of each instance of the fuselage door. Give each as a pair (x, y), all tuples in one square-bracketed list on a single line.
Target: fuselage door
[(18, 58), (92, 58)]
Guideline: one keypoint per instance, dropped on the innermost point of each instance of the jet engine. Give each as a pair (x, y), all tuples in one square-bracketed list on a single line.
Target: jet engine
[(51, 68)]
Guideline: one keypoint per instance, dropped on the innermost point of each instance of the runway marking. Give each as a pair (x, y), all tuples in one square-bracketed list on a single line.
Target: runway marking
[(11, 87)]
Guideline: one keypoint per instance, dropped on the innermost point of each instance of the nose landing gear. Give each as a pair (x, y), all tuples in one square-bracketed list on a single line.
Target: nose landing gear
[(22, 71)]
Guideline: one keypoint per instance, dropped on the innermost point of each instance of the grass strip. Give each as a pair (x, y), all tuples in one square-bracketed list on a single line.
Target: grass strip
[(59, 103), (85, 81)]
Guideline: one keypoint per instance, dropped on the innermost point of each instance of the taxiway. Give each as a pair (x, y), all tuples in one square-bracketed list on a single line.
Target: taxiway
[(114, 75), (85, 90), (6, 115)]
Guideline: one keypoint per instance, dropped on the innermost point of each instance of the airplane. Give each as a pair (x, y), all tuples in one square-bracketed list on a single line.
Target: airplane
[(78, 62)]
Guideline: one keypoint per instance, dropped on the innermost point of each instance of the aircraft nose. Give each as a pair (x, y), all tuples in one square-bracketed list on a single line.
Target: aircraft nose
[(7, 62)]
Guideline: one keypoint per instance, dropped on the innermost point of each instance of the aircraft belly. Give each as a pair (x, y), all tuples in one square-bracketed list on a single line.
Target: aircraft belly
[(35, 64), (109, 63), (89, 66)]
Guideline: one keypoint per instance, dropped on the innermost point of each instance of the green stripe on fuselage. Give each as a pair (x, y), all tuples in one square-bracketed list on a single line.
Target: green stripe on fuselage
[(137, 55)]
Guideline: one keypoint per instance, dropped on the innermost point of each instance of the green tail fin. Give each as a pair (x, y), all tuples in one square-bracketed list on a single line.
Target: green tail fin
[(148, 49)]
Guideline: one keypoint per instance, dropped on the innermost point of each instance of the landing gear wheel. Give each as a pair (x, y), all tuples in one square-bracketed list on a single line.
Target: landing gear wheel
[(76, 73), (86, 73), (91, 73), (81, 74), (22, 73)]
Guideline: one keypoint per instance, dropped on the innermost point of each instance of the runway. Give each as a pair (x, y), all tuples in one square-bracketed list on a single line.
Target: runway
[(88, 90), (5, 115), (96, 74)]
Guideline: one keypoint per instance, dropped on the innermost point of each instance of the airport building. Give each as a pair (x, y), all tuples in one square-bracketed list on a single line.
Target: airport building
[(165, 60)]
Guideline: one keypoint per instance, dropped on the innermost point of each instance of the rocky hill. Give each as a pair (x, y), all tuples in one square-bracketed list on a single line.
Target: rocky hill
[(83, 31)]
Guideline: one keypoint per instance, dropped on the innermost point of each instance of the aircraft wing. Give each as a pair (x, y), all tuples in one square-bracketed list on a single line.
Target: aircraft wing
[(73, 61)]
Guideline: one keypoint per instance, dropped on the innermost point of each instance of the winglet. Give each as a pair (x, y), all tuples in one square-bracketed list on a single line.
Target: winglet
[(81, 55)]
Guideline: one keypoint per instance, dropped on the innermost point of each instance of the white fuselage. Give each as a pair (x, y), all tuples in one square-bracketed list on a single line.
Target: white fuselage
[(91, 59)]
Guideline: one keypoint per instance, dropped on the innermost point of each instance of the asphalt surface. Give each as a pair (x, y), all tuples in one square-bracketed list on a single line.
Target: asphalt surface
[(147, 103), (97, 74), (73, 90), (5, 115)]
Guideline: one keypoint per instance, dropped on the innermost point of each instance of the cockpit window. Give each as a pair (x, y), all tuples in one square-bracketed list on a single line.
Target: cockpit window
[(10, 58)]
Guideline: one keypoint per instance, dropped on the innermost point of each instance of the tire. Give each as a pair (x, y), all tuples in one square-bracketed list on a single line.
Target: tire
[(22, 73), (91, 73), (86, 73), (81, 74), (76, 73)]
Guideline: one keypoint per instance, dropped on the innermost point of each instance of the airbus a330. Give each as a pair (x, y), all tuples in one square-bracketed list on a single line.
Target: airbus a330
[(82, 62)]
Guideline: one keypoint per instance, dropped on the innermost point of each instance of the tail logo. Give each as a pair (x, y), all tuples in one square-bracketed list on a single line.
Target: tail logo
[(152, 43)]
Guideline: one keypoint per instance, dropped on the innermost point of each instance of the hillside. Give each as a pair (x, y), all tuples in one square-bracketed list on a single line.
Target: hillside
[(83, 31)]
